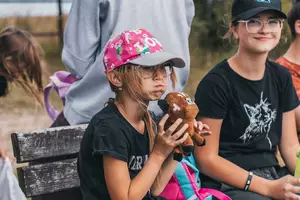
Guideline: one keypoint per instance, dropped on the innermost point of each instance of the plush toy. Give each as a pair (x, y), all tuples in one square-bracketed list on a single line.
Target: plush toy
[(180, 105)]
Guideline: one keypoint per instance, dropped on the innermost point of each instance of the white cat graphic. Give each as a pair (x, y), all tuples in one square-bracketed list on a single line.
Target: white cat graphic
[(261, 117)]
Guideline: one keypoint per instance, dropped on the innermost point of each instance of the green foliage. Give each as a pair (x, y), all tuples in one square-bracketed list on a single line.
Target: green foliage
[(212, 21)]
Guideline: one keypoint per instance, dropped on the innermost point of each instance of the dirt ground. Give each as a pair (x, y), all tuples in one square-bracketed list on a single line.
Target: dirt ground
[(11, 122)]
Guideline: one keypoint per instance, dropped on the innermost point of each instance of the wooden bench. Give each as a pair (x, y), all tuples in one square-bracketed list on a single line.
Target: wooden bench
[(52, 153)]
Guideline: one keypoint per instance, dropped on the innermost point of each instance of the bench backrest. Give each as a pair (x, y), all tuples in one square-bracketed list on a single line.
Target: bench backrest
[(52, 154)]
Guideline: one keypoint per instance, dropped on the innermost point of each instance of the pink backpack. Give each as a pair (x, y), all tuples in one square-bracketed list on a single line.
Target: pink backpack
[(60, 82), (185, 184)]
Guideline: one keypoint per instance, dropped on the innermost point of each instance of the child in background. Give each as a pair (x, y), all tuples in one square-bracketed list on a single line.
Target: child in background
[(20, 63), (249, 103), (291, 59), (121, 153)]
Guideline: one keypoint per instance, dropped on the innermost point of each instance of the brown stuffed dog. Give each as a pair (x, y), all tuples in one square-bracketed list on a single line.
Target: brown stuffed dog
[(180, 105)]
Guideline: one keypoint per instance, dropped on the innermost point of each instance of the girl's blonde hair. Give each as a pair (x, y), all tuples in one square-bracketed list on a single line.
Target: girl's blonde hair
[(20, 61), (229, 34), (132, 83)]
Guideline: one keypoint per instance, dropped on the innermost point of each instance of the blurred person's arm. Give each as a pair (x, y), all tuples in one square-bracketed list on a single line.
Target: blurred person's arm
[(297, 114), (2, 151), (289, 143), (82, 35)]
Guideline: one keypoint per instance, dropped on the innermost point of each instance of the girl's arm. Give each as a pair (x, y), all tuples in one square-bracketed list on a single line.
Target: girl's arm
[(170, 164), (117, 178), (289, 143), (297, 113), (211, 164), (164, 175)]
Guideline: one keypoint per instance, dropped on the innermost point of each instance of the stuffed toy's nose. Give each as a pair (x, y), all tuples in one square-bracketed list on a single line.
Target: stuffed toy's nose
[(188, 148), (163, 105)]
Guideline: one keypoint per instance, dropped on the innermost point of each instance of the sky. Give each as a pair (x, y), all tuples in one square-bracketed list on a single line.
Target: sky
[(31, 1), (26, 9)]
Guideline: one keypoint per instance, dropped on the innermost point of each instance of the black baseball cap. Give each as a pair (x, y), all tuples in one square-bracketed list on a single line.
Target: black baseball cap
[(245, 9)]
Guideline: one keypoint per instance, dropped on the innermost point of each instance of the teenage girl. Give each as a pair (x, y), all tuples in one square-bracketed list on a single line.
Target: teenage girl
[(249, 102)]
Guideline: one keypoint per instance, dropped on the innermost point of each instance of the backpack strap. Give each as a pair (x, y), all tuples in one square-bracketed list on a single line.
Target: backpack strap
[(184, 181), (191, 163), (215, 193), (60, 82)]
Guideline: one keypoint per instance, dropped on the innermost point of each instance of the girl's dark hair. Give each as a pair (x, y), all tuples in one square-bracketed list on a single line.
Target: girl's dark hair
[(20, 61), (293, 16)]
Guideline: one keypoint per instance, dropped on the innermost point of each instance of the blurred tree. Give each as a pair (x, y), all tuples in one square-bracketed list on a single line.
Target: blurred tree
[(60, 24), (212, 19), (211, 22), (296, 1)]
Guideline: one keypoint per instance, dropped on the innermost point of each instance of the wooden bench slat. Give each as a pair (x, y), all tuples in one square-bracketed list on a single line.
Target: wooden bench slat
[(48, 177), (47, 143)]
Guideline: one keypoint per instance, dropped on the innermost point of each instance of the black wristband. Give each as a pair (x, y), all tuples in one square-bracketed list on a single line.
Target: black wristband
[(248, 182)]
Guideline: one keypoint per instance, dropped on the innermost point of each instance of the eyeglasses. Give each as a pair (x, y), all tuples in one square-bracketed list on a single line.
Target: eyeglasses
[(256, 25), (165, 69)]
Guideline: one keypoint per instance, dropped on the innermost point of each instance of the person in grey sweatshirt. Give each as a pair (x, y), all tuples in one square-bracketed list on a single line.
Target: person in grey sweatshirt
[(91, 23)]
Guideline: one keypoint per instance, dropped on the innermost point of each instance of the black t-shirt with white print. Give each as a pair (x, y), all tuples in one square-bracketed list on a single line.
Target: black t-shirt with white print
[(251, 112), (109, 133)]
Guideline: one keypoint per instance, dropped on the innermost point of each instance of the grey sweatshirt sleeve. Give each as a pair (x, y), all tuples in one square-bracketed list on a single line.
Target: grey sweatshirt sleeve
[(82, 35), (190, 10)]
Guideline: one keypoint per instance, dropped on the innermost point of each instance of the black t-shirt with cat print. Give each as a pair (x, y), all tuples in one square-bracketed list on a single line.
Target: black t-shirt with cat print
[(251, 112), (109, 133)]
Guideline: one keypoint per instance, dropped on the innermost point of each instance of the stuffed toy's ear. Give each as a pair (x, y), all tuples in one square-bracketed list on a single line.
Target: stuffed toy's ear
[(163, 105)]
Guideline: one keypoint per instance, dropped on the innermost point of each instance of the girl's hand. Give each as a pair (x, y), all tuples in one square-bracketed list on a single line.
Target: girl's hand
[(166, 141), (202, 129), (285, 188)]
